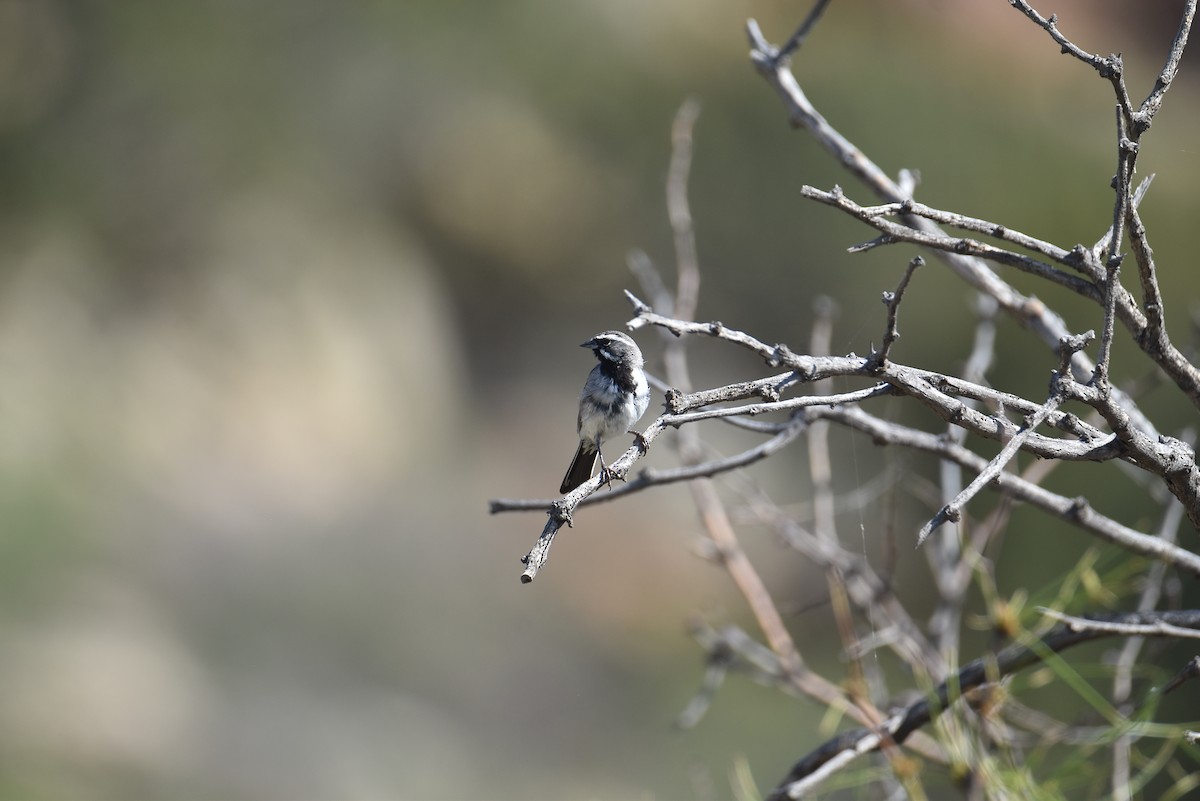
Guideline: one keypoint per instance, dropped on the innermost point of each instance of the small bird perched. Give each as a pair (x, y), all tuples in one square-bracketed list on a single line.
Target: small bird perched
[(614, 397)]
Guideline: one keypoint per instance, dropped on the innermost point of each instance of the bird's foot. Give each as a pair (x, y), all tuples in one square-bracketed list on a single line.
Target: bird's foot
[(607, 475)]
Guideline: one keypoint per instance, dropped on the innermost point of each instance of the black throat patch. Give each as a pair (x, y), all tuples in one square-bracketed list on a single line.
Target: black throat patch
[(617, 371)]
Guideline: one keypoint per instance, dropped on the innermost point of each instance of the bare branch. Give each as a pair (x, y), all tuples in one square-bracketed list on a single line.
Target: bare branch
[(1100, 249), (1156, 628), (1073, 510), (645, 316), (801, 402), (1028, 311), (1069, 258), (936, 391), (859, 595), (936, 240), (1108, 67), (654, 477), (851, 744), (1169, 458), (560, 511), (1149, 332), (1172, 459), (801, 391), (953, 510), (762, 664), (1154, 339), (765, 59)]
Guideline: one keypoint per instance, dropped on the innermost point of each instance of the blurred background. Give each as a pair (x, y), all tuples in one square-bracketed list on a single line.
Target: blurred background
[(289, 290)]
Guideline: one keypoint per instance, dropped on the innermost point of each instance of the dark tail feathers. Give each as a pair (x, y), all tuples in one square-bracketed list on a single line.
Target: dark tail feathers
[(581, 467)]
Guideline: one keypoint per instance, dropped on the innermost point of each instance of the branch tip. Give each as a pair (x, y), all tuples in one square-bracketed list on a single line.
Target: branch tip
[(639, 306)]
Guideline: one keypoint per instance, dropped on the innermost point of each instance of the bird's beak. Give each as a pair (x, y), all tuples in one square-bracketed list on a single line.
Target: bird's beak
[(591, 343)]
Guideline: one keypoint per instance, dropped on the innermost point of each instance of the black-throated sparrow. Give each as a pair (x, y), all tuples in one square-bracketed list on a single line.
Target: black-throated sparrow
[(614, 397)]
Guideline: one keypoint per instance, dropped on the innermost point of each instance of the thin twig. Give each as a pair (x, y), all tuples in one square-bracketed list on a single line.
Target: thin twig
[(1153, 102), (953, 510), (1076, 511), (875, 216), (797, 39), (892, 301), (1100, 249), (1155, 628), (804, 401), (1112, 277), (1190, 671), (1068, 258), (1108, 67)]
